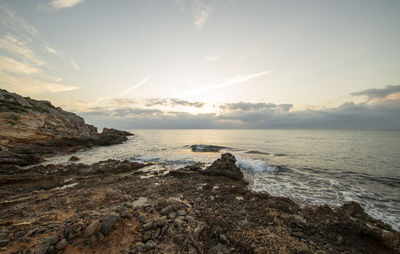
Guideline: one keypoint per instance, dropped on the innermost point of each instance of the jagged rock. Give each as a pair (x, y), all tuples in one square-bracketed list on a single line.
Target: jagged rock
[(116, 132), (225, 166)]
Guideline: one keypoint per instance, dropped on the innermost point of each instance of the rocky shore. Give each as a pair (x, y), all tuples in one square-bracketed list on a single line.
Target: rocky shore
[(128, 207), (31, 130)]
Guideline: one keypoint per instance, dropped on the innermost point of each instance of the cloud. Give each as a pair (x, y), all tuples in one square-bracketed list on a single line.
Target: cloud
[(12, 66), (58, 4), (12, 45), (21, 33), (389, 92), (22, 47), (151, 102), (350, 115), (229, 82), (76, 67), (228, 3), (201, 12), (135, 86), (31, 86), (248, 106)]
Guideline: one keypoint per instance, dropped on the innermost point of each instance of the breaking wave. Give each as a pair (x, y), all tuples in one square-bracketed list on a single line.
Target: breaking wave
[(256, 166)]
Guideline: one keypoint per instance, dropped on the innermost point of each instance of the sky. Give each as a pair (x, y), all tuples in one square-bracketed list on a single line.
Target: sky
[(208, 63)]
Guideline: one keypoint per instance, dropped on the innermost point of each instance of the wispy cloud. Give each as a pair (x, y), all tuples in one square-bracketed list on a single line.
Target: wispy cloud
[(22, 48), (58, 4), (24, 33), (201, 12), (228, 3), (11, 44), (12, 66), (226, 83), (135, 86), (31, 86)]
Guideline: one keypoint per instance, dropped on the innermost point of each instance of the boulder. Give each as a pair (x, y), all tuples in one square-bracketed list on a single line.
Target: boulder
[(108, 223)]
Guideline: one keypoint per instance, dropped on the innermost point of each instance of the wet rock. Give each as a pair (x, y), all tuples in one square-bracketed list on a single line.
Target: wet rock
[(225, 166), (92, 228), (112, 131), (108, 222)]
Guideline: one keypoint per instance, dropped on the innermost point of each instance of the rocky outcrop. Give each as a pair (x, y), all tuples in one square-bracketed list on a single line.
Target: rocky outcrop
[(30, 130), (225, 166), (25, 120)]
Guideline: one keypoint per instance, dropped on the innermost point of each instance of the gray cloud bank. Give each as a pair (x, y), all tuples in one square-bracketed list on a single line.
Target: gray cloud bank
[(383, 114)]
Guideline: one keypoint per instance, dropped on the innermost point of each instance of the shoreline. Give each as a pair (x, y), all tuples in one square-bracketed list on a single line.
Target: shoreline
[(129, 207)]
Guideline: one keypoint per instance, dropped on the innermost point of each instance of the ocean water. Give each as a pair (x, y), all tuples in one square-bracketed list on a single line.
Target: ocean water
[(310, 166)]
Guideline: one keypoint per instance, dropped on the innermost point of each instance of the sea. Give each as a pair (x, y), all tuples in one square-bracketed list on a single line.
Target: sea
[(312, 167)]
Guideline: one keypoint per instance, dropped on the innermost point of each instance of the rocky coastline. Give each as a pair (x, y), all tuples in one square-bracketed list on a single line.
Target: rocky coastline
[(129, 207), (31, 130)]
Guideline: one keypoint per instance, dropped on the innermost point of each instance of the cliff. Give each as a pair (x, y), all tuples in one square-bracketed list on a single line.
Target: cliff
[(25, 120), (32, 129)]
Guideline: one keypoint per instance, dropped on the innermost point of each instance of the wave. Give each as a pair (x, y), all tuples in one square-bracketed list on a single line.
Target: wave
[(256, 166)]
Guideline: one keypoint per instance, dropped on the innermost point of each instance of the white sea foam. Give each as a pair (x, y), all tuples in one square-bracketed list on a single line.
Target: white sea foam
[(256, 166)]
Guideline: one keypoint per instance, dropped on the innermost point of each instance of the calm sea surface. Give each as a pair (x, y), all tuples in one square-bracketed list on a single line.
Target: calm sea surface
[(309, 166)]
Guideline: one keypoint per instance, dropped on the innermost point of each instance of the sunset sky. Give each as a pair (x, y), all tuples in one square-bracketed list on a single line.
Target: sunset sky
[(207, 64)]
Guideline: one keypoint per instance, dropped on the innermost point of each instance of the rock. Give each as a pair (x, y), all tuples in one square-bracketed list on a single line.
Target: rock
[(73, 231), (142, 218), (99, 236), (74, 158), (46, 245), (125, 214), (139, 247), (222, 238), (149, 225), (166, 210), (108, 222), (116, 132), (225, 166), (150, 245), (3, 243), (142, 201), (147, 236), (92, 228), (191, 221), (62, 244), (172, 215)]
